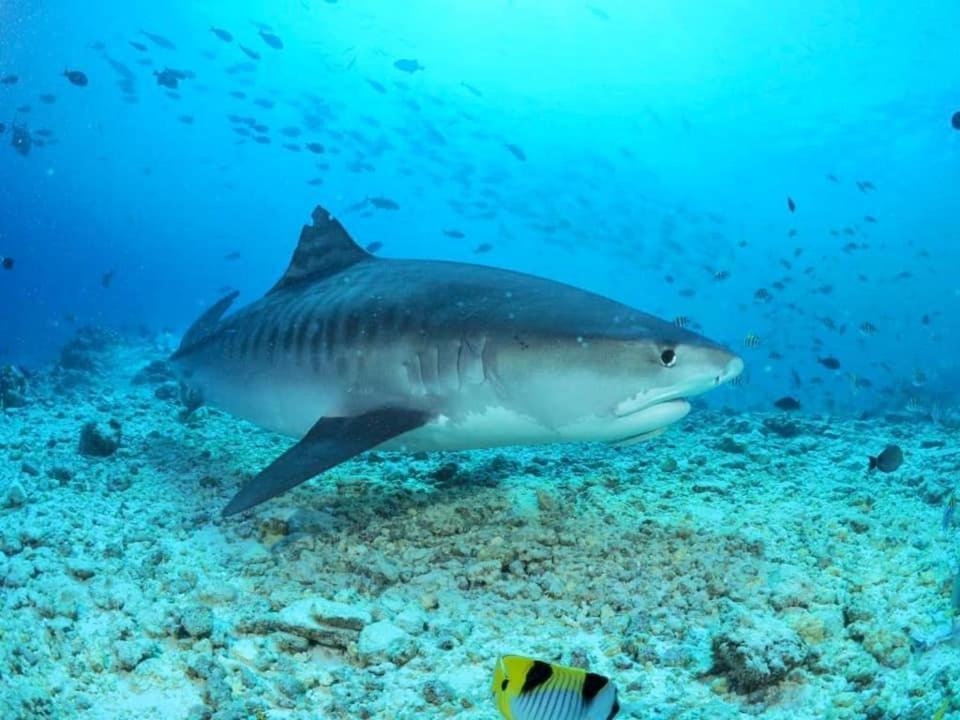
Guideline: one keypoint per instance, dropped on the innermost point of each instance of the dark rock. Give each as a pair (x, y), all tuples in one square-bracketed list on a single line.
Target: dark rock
[(445, 473), (13, 387), (157, 372), (167, 391), (729, 445), (782, 427), (61, 474), (28, 468), (756, 657), (82, 352), (97, 440)]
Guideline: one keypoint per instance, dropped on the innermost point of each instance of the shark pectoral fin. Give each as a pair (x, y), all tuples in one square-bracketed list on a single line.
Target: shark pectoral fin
[(330, 442)]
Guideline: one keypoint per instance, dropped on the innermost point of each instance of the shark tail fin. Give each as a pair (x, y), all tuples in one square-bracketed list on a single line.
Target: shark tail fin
[(205, 325), (325, 249)]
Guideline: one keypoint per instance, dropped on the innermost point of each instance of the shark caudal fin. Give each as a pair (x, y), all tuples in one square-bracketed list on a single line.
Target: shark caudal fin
[(324, 249), (330, 442)]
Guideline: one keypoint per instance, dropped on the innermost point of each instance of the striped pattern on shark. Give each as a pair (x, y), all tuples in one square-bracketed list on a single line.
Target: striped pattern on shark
[(350, 352)]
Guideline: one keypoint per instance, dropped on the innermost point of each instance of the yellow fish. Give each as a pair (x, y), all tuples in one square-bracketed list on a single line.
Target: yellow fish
[(527, 689)]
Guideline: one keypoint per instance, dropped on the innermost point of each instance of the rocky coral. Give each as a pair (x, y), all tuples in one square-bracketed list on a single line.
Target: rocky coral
[(99, 439), (760, 578), (757, 653)]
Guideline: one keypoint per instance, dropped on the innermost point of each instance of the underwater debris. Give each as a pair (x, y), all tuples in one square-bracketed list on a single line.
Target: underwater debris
[(524, 688), (76, 77), (887, 461)]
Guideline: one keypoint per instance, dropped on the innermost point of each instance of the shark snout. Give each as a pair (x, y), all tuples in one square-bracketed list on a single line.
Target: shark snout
[(731, 370)]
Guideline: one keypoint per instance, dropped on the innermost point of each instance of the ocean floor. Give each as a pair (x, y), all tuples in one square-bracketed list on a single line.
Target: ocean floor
[(741, 565)]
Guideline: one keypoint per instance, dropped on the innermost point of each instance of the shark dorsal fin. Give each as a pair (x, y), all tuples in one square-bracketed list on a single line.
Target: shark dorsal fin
[(325, 249)]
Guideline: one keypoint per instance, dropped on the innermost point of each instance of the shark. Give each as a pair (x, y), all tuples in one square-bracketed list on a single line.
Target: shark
[(350, 352)]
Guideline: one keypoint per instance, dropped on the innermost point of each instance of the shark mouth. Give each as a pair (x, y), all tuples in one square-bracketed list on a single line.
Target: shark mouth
[(651, 420)]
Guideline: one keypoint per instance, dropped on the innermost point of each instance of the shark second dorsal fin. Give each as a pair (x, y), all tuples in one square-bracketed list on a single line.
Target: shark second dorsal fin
[(324, 249)]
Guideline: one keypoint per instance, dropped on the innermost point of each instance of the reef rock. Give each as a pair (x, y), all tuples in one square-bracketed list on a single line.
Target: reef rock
[(756, 655), (97, 440), (13, 387)]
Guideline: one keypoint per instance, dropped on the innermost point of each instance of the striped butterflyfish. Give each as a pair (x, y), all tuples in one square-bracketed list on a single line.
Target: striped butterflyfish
[(527, 689)]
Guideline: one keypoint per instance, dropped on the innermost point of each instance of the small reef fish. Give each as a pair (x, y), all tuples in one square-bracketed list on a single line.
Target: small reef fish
[(7, 263), (887, 461), (272, 40), (831, 363), (949, 512), (107, 278), (76, 77), (955, 120), (787, 403), (791, 205), (9, 80), (407, 65), (383, 203), (525, 689), (252, 54), (516, 151), (751, 341), (222, 34), (158, 40)]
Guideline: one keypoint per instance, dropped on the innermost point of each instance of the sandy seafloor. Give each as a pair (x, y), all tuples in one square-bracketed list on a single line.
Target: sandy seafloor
[(720, 571)]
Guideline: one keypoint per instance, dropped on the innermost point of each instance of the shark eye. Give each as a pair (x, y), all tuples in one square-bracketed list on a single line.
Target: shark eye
[(668, 357)]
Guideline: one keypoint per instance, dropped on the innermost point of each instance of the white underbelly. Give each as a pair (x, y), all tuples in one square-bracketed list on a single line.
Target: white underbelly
[(497, 426)]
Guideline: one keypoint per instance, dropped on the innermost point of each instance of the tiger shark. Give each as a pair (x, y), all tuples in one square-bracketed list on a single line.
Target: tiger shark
[(349, 352)]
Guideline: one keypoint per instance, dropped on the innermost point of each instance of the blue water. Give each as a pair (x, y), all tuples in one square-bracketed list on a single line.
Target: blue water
[(650, 141)]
